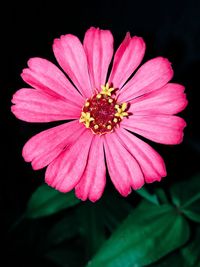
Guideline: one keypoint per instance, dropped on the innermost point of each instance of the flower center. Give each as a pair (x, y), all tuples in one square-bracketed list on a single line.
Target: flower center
[(101, 113)]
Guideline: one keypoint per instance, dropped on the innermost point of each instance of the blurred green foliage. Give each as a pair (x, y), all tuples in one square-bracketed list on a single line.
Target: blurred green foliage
[(153, 227), (46, 201)]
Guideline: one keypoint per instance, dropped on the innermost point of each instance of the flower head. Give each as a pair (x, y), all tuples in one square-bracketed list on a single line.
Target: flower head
[(102, 112)]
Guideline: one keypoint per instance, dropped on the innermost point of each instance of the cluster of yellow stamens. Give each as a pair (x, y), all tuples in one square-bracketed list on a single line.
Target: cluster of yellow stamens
[(121, 111), (106, 90), (86, 119), (101, 113)]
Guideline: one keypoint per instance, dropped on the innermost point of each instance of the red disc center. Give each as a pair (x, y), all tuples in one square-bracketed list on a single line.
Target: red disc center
[(102, 110)]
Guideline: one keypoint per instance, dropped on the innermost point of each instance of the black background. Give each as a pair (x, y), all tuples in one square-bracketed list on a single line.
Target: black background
[(170, 29)]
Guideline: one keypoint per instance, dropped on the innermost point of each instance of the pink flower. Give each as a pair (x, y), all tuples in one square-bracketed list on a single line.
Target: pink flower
[(103, 109)]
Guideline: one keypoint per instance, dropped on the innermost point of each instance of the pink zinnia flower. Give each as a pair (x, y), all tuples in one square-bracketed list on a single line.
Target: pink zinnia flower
[(104, 109)]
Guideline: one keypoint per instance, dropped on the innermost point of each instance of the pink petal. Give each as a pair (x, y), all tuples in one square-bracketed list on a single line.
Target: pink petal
[(152, 75), (123, 168), (127, 58), (170, 99), (36, 106), (164, 129), (98, 45), (93, 181), (151, 163), (44, 147), (44, 75), (66, 170), (70, 54)]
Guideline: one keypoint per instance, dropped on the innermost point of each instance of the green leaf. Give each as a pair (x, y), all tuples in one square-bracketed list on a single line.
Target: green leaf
[(63, 230), (191, 253), (46, 201), (186, 196), (161, 195), (192, 211), (114, 210), (66, 256), (183, 191), (174, 259), (188, 256), (95, 220), (91, 227), (147, 195), (149, 233)]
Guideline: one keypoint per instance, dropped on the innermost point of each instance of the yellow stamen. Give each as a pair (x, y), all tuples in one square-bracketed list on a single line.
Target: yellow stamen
[(109, 127), (121, 111), (110, 100), (106, 89), (115, 120), (116, 106), (87, 104), (124, 106), (98, 96), (121, 114), (86, 119), (96, 126)]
